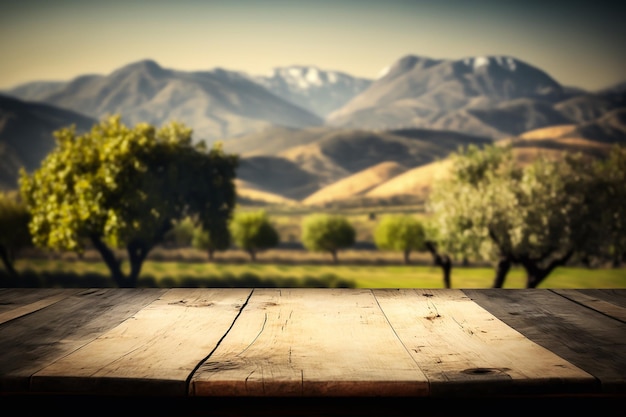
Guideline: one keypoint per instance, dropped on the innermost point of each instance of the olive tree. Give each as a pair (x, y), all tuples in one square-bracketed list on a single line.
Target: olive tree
[(537, 215), (327, 233), (402, 233), (122, 187), (610, 191), (14, 233), (253, 232)]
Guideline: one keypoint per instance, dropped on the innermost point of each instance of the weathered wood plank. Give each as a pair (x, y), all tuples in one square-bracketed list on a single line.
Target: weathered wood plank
[(310, 342), (151, 353), (12, 298), (615, 296), (16, 303), (464, 350), (318, 343), (31, 342), (586, 338), (601, 301)]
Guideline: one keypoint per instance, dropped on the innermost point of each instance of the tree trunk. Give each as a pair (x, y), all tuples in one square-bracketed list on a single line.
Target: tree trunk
[(535, 274), (443, 261), (252, 254), (334, 254), (446, 265), (406, 256), (502, 269), (7, 260), (110, 260), (137, 253), (211, 252)]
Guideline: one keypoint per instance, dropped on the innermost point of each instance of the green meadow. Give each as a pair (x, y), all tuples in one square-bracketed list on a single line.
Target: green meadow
[(77, 273)]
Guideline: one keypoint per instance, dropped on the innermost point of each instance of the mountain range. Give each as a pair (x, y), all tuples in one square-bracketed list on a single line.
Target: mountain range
[(314, 136)]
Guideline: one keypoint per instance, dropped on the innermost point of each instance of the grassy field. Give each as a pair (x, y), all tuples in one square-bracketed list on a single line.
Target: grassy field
[(362, 267), (81, 273)]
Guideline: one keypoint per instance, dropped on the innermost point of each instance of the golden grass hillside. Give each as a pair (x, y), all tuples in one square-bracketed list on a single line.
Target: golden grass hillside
[(356, 184), (550, 132), (310, 158), (415, 182), (249, 193)]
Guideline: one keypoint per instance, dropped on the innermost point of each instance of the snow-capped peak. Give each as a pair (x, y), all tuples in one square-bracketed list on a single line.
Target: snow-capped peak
[(318, 90), (383, 72), (304, 77), (313, 76)]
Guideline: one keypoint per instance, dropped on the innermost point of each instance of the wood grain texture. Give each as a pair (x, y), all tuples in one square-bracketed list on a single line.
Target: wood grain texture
[(34, 341), (11, 298), (605, 302), (19, 303), (237, 345), (310, 342), (583, 336), (464, 350), (615, 296), (151, 353)]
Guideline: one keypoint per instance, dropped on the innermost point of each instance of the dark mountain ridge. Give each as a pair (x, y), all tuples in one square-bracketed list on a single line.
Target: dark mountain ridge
[(26, 134)]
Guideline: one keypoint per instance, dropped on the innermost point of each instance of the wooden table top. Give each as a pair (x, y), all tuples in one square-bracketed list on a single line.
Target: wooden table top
[(284, 342)]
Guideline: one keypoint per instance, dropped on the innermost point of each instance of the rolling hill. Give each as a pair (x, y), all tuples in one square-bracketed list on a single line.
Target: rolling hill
[(329, 156), (413, 184), (356, 184), (26, 135), (275, 139)]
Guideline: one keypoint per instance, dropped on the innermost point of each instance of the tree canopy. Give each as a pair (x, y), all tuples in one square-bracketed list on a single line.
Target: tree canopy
[(253, 232), (327, 233), (202, 239), (122, 187), (402, 233), (610, 192), (537, 215)]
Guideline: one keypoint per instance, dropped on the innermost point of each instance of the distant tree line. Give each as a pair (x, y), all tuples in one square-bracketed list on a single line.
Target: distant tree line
[(136, 187)]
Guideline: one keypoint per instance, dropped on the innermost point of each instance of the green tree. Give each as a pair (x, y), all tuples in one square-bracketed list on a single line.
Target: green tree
[(253, 232), (14, 233), (327, 233), (120, 186), (610, 190), (400, 233), (537, 216), (203, 239)]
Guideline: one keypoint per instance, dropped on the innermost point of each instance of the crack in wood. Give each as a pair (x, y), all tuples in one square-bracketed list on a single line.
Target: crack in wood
[(257, 336)]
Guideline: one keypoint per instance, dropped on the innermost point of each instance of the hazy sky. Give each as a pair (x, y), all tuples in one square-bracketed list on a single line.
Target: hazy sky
[(579, 43)]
